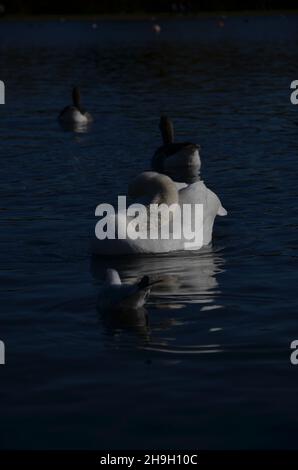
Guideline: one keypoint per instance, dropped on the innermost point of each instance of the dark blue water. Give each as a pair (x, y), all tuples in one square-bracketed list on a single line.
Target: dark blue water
[(210, 367)]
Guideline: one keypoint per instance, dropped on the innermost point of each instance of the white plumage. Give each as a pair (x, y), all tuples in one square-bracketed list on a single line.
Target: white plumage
[(160, 189), (115, 295)]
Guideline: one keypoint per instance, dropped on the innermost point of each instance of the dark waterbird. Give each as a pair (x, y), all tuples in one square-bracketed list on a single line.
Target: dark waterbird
[(75, 113), (172, 156)]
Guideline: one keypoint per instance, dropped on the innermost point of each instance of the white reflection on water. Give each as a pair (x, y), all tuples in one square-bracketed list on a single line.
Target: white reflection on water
[(77, 127), (186, 280)]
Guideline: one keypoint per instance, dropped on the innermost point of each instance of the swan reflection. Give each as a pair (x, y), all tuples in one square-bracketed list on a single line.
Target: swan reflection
[(184, 279), (134, 320)]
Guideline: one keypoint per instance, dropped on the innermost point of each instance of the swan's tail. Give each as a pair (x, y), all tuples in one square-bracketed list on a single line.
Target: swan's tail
[(222, 211)]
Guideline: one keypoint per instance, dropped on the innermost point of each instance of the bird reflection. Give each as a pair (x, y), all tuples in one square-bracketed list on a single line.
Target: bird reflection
[(130, 320), (78, 127), (187, 277)]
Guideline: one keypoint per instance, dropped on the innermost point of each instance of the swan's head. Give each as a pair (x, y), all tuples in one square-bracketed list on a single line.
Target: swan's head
[(154, 187)]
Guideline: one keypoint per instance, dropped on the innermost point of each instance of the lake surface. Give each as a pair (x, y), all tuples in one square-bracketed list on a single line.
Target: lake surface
[(208, 365)]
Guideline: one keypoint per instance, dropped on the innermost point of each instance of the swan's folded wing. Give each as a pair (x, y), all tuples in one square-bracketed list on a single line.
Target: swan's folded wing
[(214, 205), (198, 193), (194, 193), (222, 211)]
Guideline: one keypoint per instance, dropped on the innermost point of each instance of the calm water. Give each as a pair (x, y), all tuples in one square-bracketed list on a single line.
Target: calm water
[(207, 366)]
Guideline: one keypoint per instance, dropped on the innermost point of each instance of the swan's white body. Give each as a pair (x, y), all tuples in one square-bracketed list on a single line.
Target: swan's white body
[(117, 296), (199, 193), (159, 189)]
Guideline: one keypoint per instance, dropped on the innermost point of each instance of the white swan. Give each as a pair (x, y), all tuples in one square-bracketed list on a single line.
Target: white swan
[(154, 188), (173, 156), (117, 296), (75, 114)]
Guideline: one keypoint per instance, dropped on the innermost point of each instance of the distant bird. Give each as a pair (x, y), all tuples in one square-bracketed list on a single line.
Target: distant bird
[(156, 28), (115, 295), (75, 114), (174, 155)]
